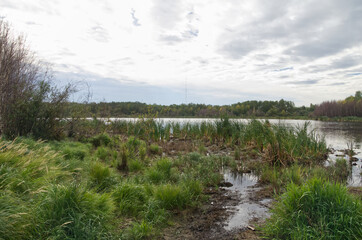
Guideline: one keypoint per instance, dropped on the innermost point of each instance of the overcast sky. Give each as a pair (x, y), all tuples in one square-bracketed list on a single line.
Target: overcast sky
[(221, 51)]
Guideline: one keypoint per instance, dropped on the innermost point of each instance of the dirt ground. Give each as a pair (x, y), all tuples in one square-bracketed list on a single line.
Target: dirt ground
[(207, 222)]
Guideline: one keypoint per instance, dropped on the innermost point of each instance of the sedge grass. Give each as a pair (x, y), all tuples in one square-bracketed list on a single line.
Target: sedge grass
[(315, 210)]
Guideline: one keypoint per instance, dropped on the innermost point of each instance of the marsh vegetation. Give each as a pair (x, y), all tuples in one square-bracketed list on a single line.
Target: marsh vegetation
[(131, 180)]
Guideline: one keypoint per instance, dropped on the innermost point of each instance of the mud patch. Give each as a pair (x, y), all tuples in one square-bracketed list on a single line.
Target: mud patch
[(227, 213), (207, 221)]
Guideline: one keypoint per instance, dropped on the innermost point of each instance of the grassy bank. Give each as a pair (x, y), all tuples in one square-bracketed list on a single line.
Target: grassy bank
[(104, 189), (129, 179)]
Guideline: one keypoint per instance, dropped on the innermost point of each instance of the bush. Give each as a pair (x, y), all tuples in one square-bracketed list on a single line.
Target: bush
[(316, 210), (29, 103)]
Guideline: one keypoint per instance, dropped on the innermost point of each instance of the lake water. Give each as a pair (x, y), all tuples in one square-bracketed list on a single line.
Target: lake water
[(337, 135)]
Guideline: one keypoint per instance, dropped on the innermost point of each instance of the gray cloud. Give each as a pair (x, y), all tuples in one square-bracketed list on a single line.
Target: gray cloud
[(167, 13), (283, 69), (171, 39), (121, 89), (337, 84), (354, 74), (305, 82), (304, 29), (99, 33), (346, 62), (135, 20)]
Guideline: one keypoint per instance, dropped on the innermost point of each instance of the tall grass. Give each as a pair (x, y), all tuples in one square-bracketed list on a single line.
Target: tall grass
[(279, 144), (71, 212), (316, 210)]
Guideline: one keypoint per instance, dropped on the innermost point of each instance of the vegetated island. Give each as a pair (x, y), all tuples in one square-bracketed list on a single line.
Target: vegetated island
[(90, 179)]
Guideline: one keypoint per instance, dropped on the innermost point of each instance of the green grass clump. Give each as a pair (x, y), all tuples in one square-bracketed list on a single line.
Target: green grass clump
[(101, 139), (130, 198), (315, 210), (171, 196), (154, 213), (135, 166), (161, 172), (74, 153), (101, 176), (102, 153), (205, 169), (71, 212), (154, 149), (14, 217), (139, 230), (339, 171)]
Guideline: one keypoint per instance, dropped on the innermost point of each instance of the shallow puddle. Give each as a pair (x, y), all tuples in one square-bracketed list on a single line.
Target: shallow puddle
[(247, 210), (355, 179)]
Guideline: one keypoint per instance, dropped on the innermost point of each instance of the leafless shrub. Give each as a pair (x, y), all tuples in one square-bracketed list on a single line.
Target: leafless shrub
[(29, 102)]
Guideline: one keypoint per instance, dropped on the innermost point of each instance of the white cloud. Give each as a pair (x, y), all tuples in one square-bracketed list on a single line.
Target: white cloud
[(227, 51)]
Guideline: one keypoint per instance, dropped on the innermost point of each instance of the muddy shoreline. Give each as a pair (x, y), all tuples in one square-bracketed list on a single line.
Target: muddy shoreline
[(211, 220)]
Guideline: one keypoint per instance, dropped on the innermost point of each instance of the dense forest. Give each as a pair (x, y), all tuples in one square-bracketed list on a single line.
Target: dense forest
[(280, 108), (351, 106)]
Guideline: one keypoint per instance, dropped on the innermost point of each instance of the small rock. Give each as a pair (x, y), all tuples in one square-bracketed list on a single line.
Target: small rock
[(225, 184)]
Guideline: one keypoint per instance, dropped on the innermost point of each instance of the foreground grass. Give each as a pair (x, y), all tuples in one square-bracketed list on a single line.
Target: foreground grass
[(124, 187), (73, 190), (315, 210)]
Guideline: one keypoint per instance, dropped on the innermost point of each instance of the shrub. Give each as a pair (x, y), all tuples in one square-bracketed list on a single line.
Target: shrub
[(29, 103), (316, 210)]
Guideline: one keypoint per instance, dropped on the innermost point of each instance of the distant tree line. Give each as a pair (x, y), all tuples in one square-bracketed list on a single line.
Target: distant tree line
[(280, 108), (349, 107)]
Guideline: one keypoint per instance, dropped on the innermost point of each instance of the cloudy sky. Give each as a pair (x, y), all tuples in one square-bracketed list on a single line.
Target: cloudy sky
[(213, 52)]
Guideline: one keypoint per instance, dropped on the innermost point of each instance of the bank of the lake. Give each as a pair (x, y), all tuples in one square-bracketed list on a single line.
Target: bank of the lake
[(167, 178)]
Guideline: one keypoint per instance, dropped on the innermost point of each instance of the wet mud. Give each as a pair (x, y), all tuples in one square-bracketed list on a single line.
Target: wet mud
[(233, 211)]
